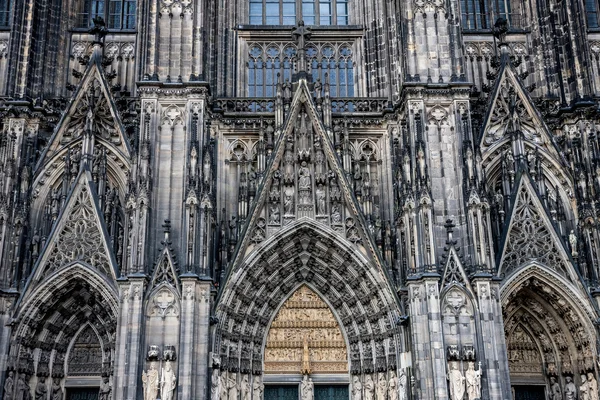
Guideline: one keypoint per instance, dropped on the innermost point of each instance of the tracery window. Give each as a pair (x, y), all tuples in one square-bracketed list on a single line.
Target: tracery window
[(481, 14), (266, 61), (287, 12), (118, 14), (4, 13), (591, 11)]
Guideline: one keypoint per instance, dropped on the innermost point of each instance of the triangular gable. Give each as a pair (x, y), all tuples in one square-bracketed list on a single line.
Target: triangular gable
[(454, 272), (108, 127), (340, 212), (79, 234), (529, 236), (500, 119), (165, 271)]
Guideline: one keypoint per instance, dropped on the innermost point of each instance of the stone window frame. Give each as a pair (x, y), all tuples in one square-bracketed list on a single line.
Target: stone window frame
[(480, 15), (119, 14), (592, 14), (5, 14), (288, 12), (281, 38)]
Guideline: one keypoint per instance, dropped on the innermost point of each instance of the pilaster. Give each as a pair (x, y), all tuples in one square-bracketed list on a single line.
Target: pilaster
[(128, 341), (194, 337)]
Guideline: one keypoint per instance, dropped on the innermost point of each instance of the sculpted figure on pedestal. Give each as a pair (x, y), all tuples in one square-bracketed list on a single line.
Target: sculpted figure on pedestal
[(105, 389), (402, 385), (215, 385), (393, 386), (555, 393), (356, 388), (232, 387), (9, 385), (593, 386), (473, 379), (245, 387), (307, 389), (257, 388), (457, 382), (369, 387), (381, 386), (40, 389), (223, 385), (150, 382), (570, 389), (584, 390), (168, 382)]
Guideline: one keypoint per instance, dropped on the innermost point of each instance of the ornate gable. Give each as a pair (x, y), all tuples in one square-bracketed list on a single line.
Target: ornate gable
[(79, 234), (165, 271), (530, 236), (454, 272), (304, 179), (512, 109), (91, 107)]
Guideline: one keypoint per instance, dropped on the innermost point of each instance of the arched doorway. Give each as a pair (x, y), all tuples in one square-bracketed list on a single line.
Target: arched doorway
[(549, 337), (305, 339)]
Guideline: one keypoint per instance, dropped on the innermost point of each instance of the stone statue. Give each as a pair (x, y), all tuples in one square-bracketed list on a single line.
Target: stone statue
[(245, 387), (369, 387), (215, 385), (356, 388), (150, 381), (274, 215), (223, 385), (593, 386), (393, 386), (167, 385), (232, 386), (381, 386), (57, 393), (40, 389), (257, 388), (584, 389), (288, 201), (320, 192), (307, 389), (473, 379), (303, 177), (570, 389), (105, 389), (402, 380), (457, 382), (555, 393), (9, 385), (573, 243), (336, 216), (22, 389)]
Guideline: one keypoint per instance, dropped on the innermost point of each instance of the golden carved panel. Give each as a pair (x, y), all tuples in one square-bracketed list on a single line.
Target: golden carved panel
[(305, 334)]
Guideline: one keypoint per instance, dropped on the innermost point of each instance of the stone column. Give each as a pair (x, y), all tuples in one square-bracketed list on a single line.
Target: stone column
[(194, 338), (6, 304), (429, 355), (491, 336), (127, 367)]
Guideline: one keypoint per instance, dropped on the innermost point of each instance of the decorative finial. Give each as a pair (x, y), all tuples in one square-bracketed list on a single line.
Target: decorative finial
[(98, 30), (301, 35)]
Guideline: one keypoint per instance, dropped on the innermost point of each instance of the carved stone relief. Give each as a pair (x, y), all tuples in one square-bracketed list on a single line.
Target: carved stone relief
[(305, 319)]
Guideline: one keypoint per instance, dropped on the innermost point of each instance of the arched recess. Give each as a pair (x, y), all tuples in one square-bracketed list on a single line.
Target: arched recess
[(51, 318), (548, 328), (311, 254), (458, 316)]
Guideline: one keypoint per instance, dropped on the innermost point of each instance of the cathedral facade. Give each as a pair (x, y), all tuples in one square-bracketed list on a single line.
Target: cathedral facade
[(299, 199)]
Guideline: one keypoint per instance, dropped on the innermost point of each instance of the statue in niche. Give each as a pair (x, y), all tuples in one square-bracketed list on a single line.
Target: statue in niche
[(570, 389), (307, 388), (473, 379), (40, 389), (356, 388), (555, 393), (457, 382), (319, 162), (232, 386), (245, 387), (223, 385), (393, 386), (320, 192), (22, 388), (168, 385), (288, 201), (593, 386), (303, 177), (105, 389), (584, 389), (257, 388), (9, 384), (215, 384), (369, 387), (150, 382), (336, 216), (57, 393), (288, 160), (402, 381), (382, 386), (274, 214)]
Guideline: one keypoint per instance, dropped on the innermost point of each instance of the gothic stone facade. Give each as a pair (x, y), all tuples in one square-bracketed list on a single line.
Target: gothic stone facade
[(211, 200)]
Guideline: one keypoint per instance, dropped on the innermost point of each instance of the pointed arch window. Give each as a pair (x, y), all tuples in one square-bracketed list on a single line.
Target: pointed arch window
[(4, 13), (481, 14), (118, 14), (288, 12)]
